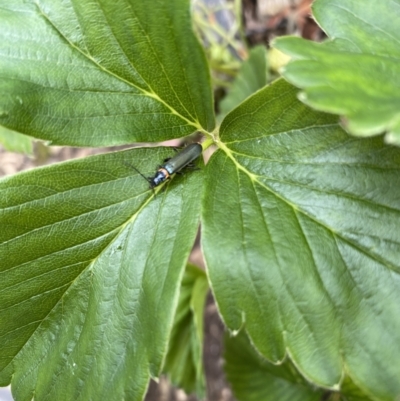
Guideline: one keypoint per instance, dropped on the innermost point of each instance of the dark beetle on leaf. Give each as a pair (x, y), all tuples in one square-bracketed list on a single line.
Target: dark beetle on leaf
[(174, 165)]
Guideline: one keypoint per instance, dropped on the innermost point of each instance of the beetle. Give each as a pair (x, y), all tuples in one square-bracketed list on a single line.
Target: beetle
[(174, 165)]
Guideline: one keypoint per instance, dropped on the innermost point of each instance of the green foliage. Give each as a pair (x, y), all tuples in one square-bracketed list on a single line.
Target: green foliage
[(15, 142), (102, 73), (217, 24), (97, 260), (251, 77), (255, 379), (357, 72), (299, 219), (184, 361), (310, 243)]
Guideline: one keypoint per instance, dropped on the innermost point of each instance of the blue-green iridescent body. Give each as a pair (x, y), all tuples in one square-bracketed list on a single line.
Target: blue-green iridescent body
[(181, 160)]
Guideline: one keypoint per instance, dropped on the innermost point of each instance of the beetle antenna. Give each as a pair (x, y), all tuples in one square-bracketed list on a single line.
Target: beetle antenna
[(131, 165)]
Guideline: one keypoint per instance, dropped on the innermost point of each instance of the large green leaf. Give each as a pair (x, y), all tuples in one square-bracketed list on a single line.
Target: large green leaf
[(101, 72), (184, 361), (302, 242), (91, 263), (357, 72), (15, 142), (255, 379)]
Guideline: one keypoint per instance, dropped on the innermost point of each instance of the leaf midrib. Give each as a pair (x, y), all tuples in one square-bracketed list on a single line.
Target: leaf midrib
[(252, 177), (118, 230), (150, 93)]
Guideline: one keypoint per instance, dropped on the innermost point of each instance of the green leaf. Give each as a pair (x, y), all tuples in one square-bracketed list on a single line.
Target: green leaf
[(302, 242), (255, 379), (352, 392), (15, 142), (91, 263), (251, 77), (184, 362), (357, 72), (102, 72)]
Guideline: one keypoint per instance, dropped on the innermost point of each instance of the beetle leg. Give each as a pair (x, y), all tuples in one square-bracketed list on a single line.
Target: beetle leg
[(192, 166)]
